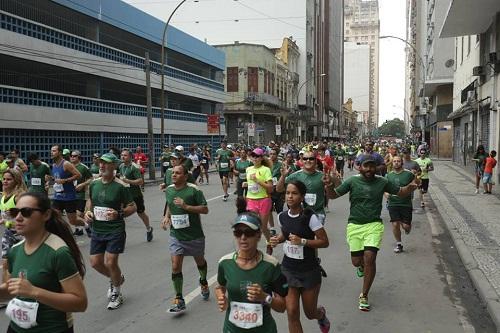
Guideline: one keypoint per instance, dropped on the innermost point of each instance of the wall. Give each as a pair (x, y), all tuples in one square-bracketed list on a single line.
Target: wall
[(357, 75)]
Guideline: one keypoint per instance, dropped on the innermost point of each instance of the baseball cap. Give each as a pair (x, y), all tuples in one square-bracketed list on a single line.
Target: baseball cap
[(174, 155), (96, 155), (179, 148), (249, 220), (66, 152), (366, 159), (258, 152), (9, 159), (405, 151), (110, 158)]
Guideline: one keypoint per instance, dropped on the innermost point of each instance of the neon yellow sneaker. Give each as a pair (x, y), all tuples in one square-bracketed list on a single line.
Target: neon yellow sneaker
[(363, 303)]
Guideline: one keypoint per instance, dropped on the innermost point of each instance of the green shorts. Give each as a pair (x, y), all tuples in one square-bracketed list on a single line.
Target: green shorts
[(360, 236)]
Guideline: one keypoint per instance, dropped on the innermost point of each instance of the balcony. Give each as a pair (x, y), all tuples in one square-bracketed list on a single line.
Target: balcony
[(262, 98)]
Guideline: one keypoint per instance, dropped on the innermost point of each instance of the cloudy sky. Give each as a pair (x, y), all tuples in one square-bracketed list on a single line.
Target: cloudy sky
[(268, 21)]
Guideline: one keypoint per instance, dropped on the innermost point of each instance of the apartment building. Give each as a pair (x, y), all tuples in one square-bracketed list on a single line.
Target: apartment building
[(74, 73)]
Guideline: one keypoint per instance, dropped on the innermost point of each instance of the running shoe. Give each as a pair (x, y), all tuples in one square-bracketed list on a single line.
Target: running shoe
[(398, 248), (360, 271), (149, 234), (422, 204), (324, 323), (225, 197), (115, 301), (363, 303), (205, 291), (178, 306), (78, 232), (477, 191), (110, 289)]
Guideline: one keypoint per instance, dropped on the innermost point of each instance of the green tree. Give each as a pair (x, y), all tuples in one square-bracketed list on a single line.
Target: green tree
[(395, 127)]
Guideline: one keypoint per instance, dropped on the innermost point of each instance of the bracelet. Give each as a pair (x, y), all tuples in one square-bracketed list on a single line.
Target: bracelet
[(303, 241)]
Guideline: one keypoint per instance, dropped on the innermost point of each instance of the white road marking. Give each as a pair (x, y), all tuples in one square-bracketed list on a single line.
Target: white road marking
[(218, 197), (196, 292)]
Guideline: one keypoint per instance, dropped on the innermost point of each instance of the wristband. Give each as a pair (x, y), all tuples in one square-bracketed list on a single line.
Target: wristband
[(268, 300), (303, 241)]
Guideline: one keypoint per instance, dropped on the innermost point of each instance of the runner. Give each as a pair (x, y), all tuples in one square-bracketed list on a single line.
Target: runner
[(400, 209), (14, 153), (277, 198), (39, 172), (365, 228), (479, 157), (250, 283), (165, 159), (302, 233), (368, 152), (260, 185), (231, 165), (393, 151), (426, 165), (205, 164), (63, 175), (183, 160), (196, 159), (131, 176), (340, 155), (240, 168), (326, 165), (185, 204), (223, 157), (45, 271), (410, 164), (351, 156), (109, 203), (81, 186), (94, 168)]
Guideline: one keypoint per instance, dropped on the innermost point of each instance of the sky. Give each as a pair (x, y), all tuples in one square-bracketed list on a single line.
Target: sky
[(268, 21)]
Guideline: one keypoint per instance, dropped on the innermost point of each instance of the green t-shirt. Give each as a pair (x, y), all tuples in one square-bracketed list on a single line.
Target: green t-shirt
[(94, 170), (424, 163), (109, 195), (315, 196), (192, 196), (255, 190), (131, 172), (481, 158), (339, 154), (401, 179), (37, 177), (366, 197), (86, 175), (165, 159), (276, 172), (45, 268), (188, 163), (267, 273), (241, 166), (225, 155)]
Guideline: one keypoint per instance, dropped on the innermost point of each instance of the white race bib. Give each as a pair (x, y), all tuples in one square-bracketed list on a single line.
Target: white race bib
[(166, 164), (58, 188), (254, 188), (36, 181), (224, 165), (22, 313), (340, 158), (243, 175), (180, 221), (204, 161), (246, 315), (310, 199), (101, 213), (95, 175), (293, 251), (275, 181)]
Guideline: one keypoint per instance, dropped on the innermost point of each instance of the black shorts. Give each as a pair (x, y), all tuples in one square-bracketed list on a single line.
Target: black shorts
[(305, 279), (223, 174), (68, 206), (111, 243), (401, 214), (424, 186), (339, 165), (139, 203), (80, 205)]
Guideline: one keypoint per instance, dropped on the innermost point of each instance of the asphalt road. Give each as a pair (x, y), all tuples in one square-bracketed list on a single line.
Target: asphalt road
[(424, 289)]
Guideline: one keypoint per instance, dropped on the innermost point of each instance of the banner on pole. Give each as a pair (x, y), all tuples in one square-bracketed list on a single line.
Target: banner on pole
[(278, 129), (251, 129), (213, 124)]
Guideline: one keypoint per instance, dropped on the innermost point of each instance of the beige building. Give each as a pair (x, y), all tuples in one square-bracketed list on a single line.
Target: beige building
[(261, 86), (362, 25)]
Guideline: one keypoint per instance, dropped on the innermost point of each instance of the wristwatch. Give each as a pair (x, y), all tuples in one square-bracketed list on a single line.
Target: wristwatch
[(268, 300)]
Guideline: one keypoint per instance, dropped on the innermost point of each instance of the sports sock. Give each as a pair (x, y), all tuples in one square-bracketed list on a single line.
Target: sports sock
[(178, 280)]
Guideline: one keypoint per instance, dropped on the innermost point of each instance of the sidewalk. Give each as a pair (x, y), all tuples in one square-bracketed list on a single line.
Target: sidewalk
[(474, 223)]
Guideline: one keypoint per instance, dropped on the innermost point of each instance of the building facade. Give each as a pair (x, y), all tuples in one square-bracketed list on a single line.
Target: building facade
[(74, 73), (362, 26), (476, 80), (261, 87)]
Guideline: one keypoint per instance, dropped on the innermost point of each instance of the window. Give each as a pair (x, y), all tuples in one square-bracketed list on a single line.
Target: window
[(253, 79), (232, 79)]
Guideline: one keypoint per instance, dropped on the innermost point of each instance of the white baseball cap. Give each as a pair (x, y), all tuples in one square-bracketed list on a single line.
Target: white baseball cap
[(179, 148)]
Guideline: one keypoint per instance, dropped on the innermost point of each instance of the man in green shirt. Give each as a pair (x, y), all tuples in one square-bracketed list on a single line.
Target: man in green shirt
[(400, 209), (365, 228), (81, 185), (185, 203), (340, 155), (94, 168), (224, 160), (165, 159), (109, 203), (38, 171), (426, 165), (130, 174)]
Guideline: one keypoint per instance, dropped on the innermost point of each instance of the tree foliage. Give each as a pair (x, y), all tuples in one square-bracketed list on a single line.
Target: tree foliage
[(395, 127)]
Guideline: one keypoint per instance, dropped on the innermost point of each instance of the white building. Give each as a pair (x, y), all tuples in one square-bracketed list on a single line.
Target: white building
[(357, 75)]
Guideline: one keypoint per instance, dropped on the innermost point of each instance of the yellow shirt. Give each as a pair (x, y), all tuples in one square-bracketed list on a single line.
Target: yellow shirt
[(263, 174)]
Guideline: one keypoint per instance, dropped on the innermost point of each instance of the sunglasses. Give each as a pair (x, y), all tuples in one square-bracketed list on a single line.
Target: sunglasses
[(255, 156), (74, 155), (25, 211), (247, 232), (309, 158)]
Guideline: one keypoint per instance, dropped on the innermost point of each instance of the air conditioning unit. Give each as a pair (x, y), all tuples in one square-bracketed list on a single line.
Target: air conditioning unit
[(478, 71), (471, 96)]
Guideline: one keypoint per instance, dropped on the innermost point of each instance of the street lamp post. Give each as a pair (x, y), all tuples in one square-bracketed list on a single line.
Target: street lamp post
[(300, 88)]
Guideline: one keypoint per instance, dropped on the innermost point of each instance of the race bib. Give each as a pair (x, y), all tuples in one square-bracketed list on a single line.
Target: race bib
[(254, 188), (75, 182), (95, 175), (204, 161), (224, 165), (246, 315), (293, 251), (22, 313), (166, 164), (180, 221), (275, 181), (310, 199), (243, 175), (36, 181), (101, 213), (58, 188), (340, 158)]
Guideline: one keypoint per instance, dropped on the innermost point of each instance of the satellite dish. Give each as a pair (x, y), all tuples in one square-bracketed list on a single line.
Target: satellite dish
[(449, 63)]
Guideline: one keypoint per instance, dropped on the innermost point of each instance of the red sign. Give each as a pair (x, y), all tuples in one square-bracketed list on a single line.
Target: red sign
[(213, 124)]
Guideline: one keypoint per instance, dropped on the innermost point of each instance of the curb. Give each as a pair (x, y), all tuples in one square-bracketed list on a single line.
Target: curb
[(479, 280)]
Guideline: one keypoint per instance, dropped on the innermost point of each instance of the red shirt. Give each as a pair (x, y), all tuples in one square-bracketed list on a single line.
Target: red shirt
[(490, 164), (327, 163)]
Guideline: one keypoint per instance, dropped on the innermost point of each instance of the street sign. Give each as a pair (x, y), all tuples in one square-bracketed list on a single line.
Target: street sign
[(251, 129), (278, 129), (213, 124)]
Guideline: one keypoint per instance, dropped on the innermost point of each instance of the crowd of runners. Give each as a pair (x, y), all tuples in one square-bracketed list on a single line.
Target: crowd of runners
[(282, 194)]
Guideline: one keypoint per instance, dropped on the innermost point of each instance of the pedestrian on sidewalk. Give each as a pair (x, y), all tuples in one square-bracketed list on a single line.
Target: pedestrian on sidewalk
[(480, 158), (490, 164)]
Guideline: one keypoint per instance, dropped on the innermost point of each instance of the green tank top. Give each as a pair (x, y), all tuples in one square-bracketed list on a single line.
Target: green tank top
[(4, 207)]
